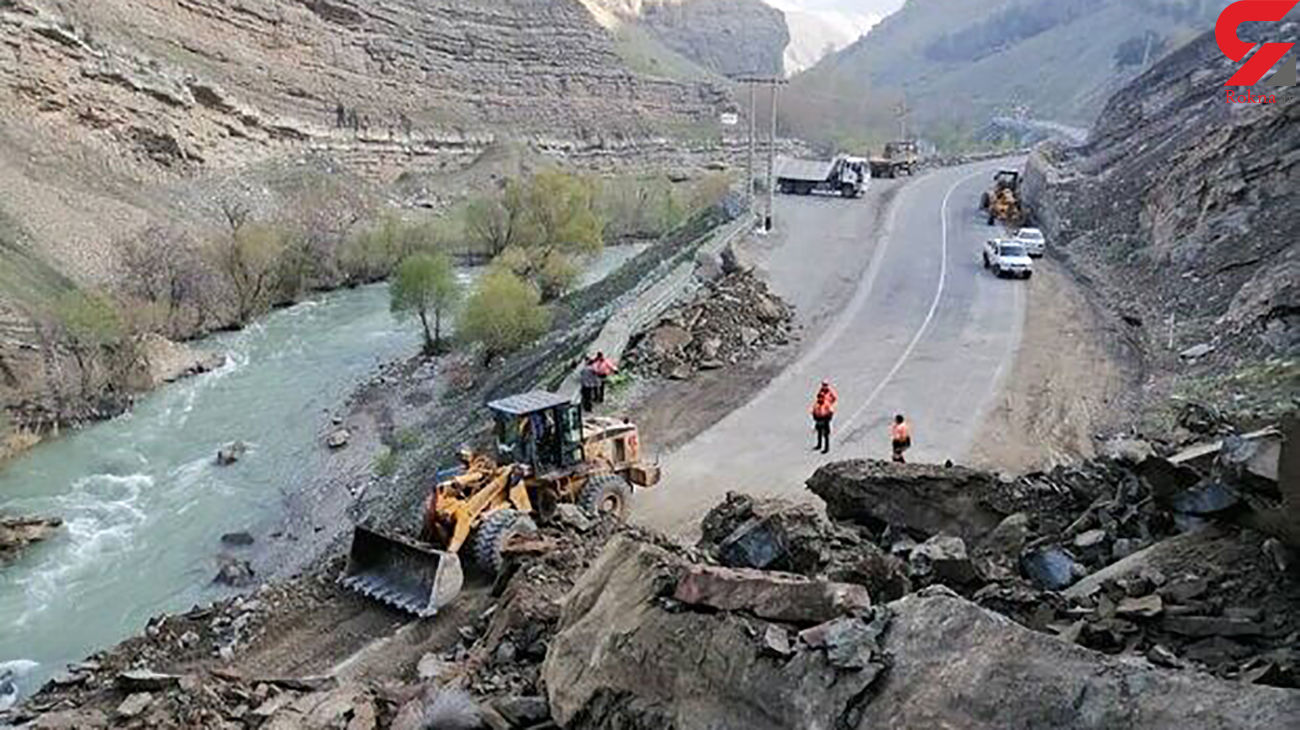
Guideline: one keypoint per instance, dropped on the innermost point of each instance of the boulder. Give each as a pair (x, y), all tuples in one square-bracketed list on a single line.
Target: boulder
[(622, 659), (237, 539), (134, 704), (339, 438), (668, 340), (767, 534), (571, 515), (16, 533), (234, 573), (923, 498), (1051, 567), (956, 665), (231, 453), (944, 559), (708, 267), (775, 596)]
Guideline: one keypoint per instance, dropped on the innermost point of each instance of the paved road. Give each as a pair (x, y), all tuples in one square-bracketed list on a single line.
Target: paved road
[(901, 317)]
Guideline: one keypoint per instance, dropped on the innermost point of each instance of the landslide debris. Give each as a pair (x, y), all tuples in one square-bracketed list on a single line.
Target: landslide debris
[(729, 320), (885, 615)]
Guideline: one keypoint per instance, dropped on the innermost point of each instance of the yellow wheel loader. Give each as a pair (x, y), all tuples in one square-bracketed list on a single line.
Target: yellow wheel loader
[(547, 453), (1003, 203)]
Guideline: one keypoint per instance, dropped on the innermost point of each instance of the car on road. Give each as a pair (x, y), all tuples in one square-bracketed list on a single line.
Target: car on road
[(1033, 241), (1008, 257)]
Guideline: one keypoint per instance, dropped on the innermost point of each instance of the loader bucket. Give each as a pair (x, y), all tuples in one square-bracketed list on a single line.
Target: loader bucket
[(402, 573)]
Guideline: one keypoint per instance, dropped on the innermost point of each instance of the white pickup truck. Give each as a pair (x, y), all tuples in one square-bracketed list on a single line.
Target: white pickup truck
[(1008, 258)]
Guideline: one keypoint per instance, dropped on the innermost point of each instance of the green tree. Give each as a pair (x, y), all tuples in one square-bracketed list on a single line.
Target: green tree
[(503, 314), (92, 323), (426, 287), (250, 260), (558, 224)]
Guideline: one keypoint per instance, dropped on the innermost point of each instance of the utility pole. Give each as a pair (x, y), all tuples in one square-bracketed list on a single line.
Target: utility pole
[(771, 161), (753, 135), (774, 84), (902, 120)]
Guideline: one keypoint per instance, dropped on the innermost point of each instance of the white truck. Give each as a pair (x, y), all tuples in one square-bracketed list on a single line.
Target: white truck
[(844, 175), (1008, 257)]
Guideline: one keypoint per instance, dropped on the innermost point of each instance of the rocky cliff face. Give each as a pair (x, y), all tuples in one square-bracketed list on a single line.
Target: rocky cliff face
[(1182, 210), (116, 116), (727, 37)]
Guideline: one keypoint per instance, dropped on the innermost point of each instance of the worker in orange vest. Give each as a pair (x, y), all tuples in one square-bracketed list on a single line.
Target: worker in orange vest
[(823, 411), (900, 437)]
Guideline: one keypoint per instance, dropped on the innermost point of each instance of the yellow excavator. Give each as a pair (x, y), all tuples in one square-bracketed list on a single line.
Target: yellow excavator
[(547, 453), (1003, 203)]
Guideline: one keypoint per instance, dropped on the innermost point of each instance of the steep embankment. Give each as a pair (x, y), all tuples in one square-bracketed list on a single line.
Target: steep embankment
[(115, 117), (957, 63), (1182, 211)]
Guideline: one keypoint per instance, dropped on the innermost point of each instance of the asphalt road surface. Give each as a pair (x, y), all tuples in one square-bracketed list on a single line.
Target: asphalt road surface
[(899, 315)]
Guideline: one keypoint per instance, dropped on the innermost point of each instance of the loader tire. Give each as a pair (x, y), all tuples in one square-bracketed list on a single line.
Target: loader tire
[(984, 201), (494, 532), (608, 494)]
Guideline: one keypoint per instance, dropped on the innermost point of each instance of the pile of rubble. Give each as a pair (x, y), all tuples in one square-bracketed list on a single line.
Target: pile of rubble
[(729, 320), (1122, 572), (1132, 554)]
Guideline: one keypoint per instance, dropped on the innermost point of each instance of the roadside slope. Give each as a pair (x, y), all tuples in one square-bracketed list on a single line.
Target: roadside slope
[(1181, 213)]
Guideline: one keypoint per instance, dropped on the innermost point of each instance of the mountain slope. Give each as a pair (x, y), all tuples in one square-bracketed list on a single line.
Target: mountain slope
[(724, 37), (960, 62), (118, 117), (1182, 211)]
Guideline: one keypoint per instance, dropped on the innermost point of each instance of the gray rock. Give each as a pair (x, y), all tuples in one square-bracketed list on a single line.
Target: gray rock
[(144, 680), (1144, 607), (571, 515), (1051, 567), (776, 640), (231, 453), (237, 539), (1196, 352), (1207, 498), (957, 665), (945, 558), (134, 704), (339, 438), (620, 659), (523, 712), (708, 267), (235, 573), (774, 596), (924, 498)]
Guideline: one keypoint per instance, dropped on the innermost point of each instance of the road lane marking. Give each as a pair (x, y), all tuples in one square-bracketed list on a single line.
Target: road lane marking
[(929, 317)]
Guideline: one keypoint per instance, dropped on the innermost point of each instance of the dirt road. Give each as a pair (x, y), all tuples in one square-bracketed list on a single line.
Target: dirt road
[(901, 318)]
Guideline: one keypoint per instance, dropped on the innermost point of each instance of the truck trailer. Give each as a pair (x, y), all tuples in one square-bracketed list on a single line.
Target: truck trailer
[(844, 175)]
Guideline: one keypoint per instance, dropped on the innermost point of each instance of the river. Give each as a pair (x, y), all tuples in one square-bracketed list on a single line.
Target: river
[(145, 504)]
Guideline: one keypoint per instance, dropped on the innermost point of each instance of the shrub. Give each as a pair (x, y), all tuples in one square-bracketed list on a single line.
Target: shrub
[(503, 314)]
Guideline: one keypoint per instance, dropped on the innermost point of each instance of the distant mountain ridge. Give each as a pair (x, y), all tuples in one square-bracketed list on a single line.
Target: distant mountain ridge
[(960, 62)]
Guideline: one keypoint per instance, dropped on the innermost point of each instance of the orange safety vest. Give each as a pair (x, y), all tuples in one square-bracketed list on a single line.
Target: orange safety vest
[(900, 433), (830, 395), (822, 408)]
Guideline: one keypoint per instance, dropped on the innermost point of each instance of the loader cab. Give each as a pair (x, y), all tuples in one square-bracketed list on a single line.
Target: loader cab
[(541, 429), (1006, 180)]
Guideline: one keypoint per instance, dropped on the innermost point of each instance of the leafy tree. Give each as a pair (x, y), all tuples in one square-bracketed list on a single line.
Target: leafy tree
[(91, 322), (426, 287), (498, 223), (558, 223), (504, 313), (250, 260)]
